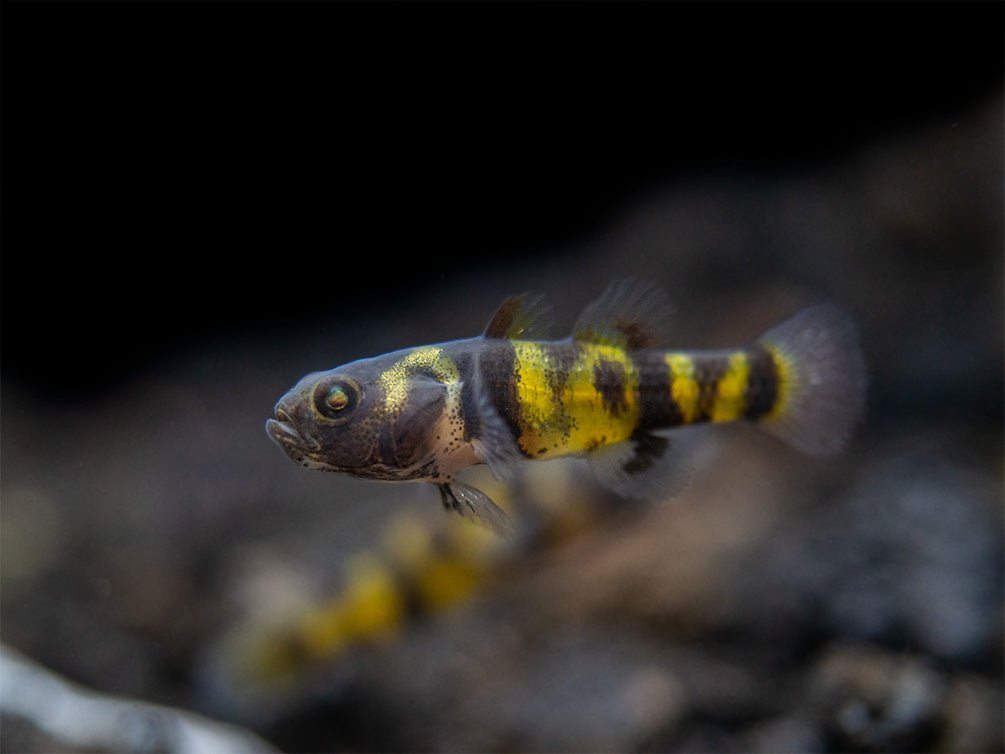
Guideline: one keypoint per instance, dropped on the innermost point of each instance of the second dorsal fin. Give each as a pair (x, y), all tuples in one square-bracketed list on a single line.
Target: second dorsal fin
[(630, 314), (518, 317)]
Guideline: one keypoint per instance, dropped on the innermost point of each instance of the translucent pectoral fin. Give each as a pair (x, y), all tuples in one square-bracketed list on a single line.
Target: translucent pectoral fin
[(476, 506), (644, 467), (491, 437), (494, 445)]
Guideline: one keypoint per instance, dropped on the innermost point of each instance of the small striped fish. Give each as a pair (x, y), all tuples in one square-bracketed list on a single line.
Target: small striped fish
[(606, 391)]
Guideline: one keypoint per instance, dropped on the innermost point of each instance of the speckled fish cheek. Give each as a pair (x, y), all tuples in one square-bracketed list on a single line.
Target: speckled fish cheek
[(423, 417)]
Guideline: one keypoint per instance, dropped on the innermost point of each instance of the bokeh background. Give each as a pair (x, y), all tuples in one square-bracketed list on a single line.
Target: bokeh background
[(201, 203)]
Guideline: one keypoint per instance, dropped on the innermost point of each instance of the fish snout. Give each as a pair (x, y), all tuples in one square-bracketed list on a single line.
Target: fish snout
[(284, 430)]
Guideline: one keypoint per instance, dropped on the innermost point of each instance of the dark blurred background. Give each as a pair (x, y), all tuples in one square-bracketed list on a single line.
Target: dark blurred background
[(173, 173), (202, 202)]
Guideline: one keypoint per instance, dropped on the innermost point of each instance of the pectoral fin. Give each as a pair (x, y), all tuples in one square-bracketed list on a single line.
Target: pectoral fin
[(476, 506), (490, 435)]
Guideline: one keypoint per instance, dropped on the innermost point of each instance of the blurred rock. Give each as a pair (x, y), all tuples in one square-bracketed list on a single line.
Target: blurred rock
[(910, 556), (973, 709), (871, 699), (53, 714)]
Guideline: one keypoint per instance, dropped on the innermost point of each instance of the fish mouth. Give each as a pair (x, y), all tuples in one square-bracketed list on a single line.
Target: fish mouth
[(285, 434)]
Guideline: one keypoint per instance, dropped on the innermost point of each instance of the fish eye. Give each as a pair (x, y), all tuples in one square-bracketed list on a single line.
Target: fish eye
[(335, 397)]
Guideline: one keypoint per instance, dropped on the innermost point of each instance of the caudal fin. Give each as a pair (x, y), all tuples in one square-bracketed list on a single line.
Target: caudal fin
[(821, 380)]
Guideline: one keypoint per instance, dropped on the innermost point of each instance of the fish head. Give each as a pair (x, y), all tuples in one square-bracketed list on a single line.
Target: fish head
[(354, 420)]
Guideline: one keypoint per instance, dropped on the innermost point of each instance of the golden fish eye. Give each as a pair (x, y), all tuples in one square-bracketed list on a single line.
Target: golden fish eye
[(335, 397)]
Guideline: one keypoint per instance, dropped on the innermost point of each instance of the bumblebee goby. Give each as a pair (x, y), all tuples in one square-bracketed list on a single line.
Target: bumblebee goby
[(609, 392)]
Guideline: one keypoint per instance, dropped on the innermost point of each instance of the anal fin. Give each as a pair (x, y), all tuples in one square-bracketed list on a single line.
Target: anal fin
[(644, 467)]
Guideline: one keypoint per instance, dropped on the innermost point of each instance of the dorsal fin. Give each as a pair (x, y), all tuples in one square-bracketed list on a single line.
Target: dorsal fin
[(630, 314), (518, 316)]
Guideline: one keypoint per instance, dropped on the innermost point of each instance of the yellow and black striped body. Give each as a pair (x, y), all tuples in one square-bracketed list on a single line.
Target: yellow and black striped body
[(566, 397), (424, 413)]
